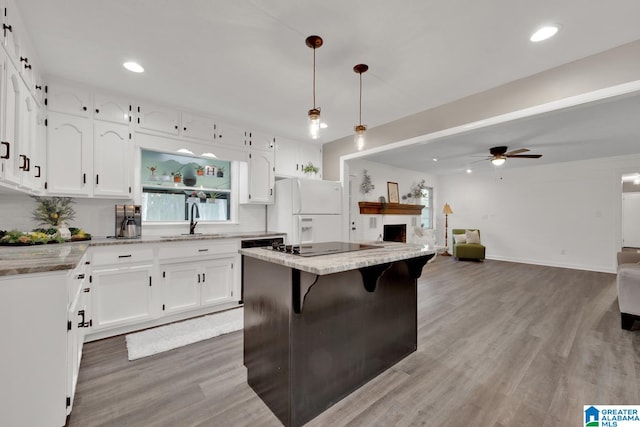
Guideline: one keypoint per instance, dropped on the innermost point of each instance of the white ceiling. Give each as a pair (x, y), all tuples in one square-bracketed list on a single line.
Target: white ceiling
[(603, 128), (245, 61)]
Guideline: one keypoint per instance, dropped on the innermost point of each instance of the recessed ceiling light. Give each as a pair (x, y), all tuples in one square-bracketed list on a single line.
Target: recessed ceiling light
[(133, 66), (434, 159), (323, 125), (469, 171), (544, 33), (209, 155), (185, 150)]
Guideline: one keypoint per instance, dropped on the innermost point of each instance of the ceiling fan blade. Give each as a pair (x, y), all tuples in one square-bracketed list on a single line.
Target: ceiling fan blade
[(481, 160), (526, 156), (511, 153)]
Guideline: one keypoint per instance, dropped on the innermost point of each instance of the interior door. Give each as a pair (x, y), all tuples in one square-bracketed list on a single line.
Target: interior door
[(630, 223)]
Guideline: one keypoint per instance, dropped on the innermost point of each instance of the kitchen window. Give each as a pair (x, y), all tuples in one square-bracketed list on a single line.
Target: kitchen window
[(171, 181)]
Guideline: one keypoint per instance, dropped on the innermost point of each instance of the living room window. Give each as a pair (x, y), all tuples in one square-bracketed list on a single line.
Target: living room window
[(426, 218)]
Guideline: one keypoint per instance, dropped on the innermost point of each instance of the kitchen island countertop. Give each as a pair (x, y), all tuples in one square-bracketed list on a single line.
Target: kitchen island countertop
[(65, 256), (336, 263)]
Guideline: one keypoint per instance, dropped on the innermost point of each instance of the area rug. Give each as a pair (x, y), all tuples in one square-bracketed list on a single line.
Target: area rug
[(174, 335)]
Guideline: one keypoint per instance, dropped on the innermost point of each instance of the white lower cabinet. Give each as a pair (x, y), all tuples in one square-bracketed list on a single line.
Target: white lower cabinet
[(190, 285), (121, 295), (40, 352)]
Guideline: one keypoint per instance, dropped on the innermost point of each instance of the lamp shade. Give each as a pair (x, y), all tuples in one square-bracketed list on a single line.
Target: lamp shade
[(447, 209)]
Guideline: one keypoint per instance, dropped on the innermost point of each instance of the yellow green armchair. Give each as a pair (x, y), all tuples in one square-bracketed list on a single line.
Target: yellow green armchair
[(466, 244)]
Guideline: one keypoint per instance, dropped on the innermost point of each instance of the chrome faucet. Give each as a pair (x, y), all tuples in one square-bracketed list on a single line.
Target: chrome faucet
[(192, 225)]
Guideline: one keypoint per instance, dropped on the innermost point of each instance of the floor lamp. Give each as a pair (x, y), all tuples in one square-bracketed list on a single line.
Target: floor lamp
[(446, 211)]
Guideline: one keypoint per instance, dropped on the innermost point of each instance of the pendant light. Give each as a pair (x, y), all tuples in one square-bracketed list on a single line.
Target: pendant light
[(360, 129), (314, 42)]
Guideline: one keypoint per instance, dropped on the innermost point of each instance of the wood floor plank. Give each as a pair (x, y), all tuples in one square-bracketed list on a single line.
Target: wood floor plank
[(499, 344)]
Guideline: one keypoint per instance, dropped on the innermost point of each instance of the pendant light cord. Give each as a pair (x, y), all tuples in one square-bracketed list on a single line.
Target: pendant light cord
[(314, 78), (360, 117)]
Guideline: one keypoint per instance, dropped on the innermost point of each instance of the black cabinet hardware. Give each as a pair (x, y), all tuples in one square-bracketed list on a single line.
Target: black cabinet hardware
[(38, 87), (24, 59), (38, 175), (124, 256), (27, 66), (176, 126), (84, 178), (97, 111), (203, 277), (84, 108), (6, 28), (203, 250), (184, 128), (80, 276), (26, 163), (97, 179), (86, 290), (8, 145), (198, 277)]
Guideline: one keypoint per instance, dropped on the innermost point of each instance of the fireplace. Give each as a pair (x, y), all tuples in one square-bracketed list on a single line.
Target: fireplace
[(395, 233)]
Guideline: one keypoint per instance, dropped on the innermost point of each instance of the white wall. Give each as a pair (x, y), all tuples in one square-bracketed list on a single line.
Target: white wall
[(566, 214), (96, 216), (380, 174)]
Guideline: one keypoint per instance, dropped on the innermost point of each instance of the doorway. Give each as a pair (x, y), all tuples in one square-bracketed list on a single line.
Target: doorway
[(631, 210)]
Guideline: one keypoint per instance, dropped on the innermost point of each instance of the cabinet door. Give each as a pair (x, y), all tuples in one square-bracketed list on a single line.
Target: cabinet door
[(11, 138), (121, 296), (230, 135), (69, 156), (261, 177), (157, 118), (38, 153), (111, 109), (199, 127), (111, 157), (9, 31), (311, 153), (69, 99), (181, 286), (261, 141), (286, 158), (26, 136), (217, 280)]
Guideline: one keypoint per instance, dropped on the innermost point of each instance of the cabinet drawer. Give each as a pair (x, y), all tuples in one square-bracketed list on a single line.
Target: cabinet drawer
[(194, 250), (124, 254)]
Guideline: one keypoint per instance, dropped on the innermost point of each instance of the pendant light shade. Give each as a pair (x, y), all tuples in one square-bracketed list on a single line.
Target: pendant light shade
[(360, 129), (314, 42)]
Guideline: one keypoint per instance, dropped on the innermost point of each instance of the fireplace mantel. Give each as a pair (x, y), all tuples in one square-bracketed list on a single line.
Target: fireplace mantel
[(375, 208)]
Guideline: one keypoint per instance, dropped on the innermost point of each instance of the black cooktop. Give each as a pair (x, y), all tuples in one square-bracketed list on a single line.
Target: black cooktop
[(323, 248)]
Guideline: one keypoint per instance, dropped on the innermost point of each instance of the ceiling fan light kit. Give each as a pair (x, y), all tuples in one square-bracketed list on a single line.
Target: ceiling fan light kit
[(314, 42), (499, 155)]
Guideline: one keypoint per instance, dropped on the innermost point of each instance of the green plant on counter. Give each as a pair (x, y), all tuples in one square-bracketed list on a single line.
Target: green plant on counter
[(53, 211)]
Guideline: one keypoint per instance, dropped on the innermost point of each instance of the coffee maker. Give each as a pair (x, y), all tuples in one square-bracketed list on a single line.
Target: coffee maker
[(128, 223)]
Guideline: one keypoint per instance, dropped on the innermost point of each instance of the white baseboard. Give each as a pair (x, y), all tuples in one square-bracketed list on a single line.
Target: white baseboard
[(547, 263)]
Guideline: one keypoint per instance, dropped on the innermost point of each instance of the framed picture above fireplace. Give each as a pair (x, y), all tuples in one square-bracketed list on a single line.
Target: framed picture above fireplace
[(392, 190)]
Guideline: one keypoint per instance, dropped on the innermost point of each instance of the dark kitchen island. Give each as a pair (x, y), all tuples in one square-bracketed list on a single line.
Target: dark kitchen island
[(317, 328)]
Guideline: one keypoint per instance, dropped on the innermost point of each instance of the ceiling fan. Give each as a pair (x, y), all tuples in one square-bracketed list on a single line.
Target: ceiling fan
[(500, 154)]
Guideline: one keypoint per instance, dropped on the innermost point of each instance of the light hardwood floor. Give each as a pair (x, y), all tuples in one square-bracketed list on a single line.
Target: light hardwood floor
[(499, 344)]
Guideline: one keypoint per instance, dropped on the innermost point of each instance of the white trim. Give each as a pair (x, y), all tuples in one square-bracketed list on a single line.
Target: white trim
[(585, 267)]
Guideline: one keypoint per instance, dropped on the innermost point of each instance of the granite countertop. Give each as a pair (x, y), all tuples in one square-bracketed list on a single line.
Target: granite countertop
[(66, 256), (40, 258), (336, 263)]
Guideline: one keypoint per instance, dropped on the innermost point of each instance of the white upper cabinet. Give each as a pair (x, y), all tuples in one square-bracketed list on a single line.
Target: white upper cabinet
[(110, 108), (157, 118), (292, 157), (229, 134), (69, 99), (69, 155), (260, 141), (38, 153), (27, 136), (199, 127), (11, 129), (9, 30), (111, 160), (257, 178)]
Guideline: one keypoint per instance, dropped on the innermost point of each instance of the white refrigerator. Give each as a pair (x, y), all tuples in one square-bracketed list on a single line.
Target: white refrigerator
[(308, 210)]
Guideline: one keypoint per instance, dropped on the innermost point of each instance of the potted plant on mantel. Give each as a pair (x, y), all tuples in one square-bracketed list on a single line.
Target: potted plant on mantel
[(366, 186)]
